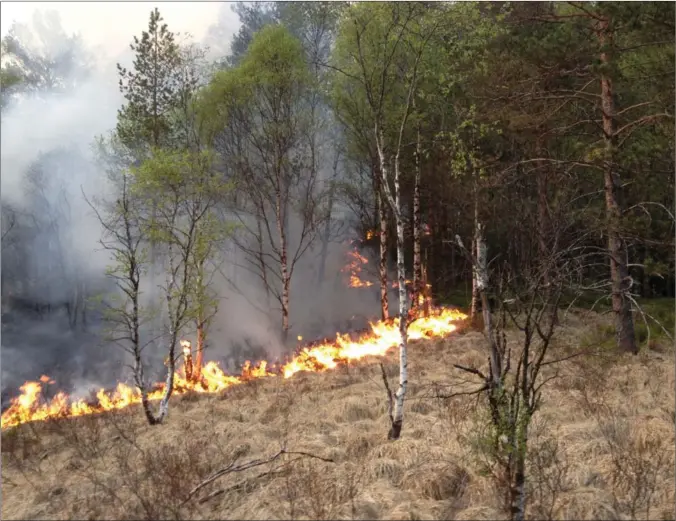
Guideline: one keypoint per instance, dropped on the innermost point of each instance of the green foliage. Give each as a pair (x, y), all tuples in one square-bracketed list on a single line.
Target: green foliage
[(150, 88), (272, 74), (274, 67), (184, 186)]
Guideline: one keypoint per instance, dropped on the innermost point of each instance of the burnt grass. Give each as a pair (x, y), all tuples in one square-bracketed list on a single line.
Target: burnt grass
[(601, 447)]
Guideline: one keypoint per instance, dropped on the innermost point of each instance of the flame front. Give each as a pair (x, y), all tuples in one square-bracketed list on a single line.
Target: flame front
[(28, 407)]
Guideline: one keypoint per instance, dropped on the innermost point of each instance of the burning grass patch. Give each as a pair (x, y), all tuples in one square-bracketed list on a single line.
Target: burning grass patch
[(104, 467)]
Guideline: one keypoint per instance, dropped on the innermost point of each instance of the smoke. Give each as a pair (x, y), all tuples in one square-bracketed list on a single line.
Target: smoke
[(51, 249), (51, 257)]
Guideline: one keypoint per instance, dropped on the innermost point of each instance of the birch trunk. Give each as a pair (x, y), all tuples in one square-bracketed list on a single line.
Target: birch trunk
[(173, 334), (395, 203), (398, 416), (617, 248), (382, 240), (482, 281), (139, 376), (475, 252), (281, 229), (418, 287), (169, 382)]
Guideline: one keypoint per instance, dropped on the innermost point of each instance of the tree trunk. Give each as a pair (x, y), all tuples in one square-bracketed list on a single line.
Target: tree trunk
[(398, 416), (517, 490), (171, 359), (199, 349), (543, 224), (481, 271), (642, 279), (83, 305), (543, 229), (426, 289), (382, 240), (617, 248), (169, 382), (281, 229), (475, 252), (261, 260), (327, 225), (417, 261), (395, 203), (139, 377)]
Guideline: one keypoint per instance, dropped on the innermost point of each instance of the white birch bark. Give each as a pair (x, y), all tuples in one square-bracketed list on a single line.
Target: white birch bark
[(418, 287), (475, 289), (480, 262), (169, 383), (382, 266), (281, 229), (395, 203)]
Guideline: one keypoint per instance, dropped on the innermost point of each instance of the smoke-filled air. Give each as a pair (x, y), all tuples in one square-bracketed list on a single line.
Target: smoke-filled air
[(372, 234)]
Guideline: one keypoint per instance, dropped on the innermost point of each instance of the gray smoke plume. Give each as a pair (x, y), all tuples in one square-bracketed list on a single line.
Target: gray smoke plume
[(52, 261)]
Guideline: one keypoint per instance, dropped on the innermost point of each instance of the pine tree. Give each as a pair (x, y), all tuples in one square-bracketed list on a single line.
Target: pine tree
[(151, 88)]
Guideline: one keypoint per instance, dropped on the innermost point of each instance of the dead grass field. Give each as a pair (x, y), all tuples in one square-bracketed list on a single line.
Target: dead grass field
[(602, 446)]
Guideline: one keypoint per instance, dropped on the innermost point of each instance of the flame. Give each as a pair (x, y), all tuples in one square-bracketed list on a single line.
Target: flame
[(395, 284), (354, 267), (187, 359), (370, 234), (28, 407)]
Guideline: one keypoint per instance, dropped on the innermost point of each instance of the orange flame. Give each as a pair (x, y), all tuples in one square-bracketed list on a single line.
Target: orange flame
[(187, 359), (354, 267), (395, 284), (28, 407)]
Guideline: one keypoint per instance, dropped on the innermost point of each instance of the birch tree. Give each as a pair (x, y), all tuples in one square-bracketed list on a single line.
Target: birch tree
[(381, 49), (267, 140), (123, 236), (184, 221), (181, 222), (353, 112)]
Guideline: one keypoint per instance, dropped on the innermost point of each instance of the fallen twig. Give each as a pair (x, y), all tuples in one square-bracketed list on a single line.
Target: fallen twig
[(232, 468), (245, 482)]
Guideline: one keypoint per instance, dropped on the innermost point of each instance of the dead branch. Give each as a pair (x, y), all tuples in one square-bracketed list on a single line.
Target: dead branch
[(390, 399), (232, 468), (471, 370)]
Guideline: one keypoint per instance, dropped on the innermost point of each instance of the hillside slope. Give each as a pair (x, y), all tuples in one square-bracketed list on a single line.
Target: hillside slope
[(602, 446)]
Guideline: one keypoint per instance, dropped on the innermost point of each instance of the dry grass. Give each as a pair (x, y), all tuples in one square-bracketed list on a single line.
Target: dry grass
[(602, 447)]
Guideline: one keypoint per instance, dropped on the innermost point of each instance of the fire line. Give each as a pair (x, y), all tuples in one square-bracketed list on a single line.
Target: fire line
[(318, 357)]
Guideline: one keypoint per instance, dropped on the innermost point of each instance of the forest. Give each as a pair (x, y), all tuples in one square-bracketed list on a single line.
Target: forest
[(336, 163)]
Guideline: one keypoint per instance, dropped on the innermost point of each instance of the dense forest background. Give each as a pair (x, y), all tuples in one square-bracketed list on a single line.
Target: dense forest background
[(543, 129)]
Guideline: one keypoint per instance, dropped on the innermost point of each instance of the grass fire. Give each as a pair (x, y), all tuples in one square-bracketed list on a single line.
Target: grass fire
[(28, 407), (338, 260)]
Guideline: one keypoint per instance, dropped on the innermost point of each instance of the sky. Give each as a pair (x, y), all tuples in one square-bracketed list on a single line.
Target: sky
[(110, 26)]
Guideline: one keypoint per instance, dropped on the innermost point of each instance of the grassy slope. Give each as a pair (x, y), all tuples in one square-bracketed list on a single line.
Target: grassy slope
[(115, 466)]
